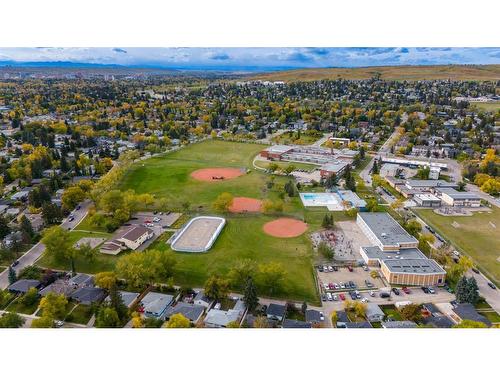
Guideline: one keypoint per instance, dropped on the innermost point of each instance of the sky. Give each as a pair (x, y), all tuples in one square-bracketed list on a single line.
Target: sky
[(253, 58)]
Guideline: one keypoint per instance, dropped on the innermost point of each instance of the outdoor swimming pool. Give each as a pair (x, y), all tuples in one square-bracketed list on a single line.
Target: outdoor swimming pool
[(319, 199)]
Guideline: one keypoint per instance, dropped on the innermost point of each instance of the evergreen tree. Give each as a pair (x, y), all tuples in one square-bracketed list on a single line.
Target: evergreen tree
[(375, 167), (304, 307), (27, 229), (116, 302), (472, 290), (250, 295), (461, 290), (362, 153), (4, 227), (12, 276)]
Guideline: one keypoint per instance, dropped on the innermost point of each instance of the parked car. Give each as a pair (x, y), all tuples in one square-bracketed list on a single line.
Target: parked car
[(58, 323), (384, 295), (342, 285), (431, 290), (15, 263), (353, 295), (364, 300), (335, 298), (329, 296), (358, 294), (349, 268), (491, 285), (405, 290), (320, 268), (365, 267), (337, 286), (475, 270), (335, 268), (342, 297), (325, 268), (71, 218), (372, 293), (330, 269), (323, 297), (331, 286), (369, 284), (78, 207), (326, 286), (321, 316), (425, 290)]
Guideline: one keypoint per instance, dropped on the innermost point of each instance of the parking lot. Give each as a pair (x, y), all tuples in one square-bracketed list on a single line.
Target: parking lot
[(156, 222), (343, 276)]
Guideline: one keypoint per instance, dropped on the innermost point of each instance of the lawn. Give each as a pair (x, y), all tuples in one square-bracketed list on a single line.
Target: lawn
[(475, 236), (492, 316), (81, 314), (168, 176), (18, 307), (488, 106), (243, 238), (293, 137), (391, 311)]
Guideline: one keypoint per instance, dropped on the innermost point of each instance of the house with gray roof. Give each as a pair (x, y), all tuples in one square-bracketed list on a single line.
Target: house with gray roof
[(23, 285), (400, 324), (155, 304), (221, 318), (128, 298), (467, 311), (374, 313), (313, 316), (202, 300), (292, 323), (190, 311), (276, 312), (88, 295)]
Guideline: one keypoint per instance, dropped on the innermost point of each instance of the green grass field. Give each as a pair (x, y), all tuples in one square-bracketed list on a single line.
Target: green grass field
[(489, 107), (475, 236), (398, 73)]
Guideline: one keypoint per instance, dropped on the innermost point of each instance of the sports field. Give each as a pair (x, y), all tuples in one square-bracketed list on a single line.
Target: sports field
[(169, 176), (478, 236)]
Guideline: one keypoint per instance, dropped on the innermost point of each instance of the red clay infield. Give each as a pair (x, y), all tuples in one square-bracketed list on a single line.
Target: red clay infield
[(242, 204), (285, 228), (216, 174)]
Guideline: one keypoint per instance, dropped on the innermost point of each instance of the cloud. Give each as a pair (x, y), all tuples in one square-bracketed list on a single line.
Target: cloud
[(404, 50), (318, 51), (298, 57), (219, 56), (119, 50)]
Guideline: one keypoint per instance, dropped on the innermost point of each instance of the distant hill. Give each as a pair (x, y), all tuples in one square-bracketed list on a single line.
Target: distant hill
[(397, 73)]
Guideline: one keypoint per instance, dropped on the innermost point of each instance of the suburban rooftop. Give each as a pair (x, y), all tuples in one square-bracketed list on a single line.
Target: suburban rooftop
[(428, 266), (386, 229)]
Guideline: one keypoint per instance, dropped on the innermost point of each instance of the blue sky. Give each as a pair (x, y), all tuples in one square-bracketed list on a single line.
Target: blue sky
[(254, 58)]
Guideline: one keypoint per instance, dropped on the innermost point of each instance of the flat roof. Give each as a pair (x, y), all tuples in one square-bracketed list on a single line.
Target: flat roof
[(455, 194), (416, 266), (386, 229), (427, 197), (334, 166), (279, 148), (430, 183), (375, 252)]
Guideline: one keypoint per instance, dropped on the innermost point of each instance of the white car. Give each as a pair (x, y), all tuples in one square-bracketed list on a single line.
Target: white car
[(372, 293), (342, 285), (364, 300), (337, 286), (156, 219), (330, 269), (325, 268), (325, 285), (321, 316), (335, 298), (329, 296)]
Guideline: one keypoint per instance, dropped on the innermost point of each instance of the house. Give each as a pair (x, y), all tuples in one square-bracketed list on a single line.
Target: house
[(292, 323), (136, 236), (439, 321), (190, 311), (128, 298), (400, 324), (88, 295), (23, 285), (112, 247), (221, 318), (374, 313), (22, 195), (276, 312), (250, 320), (202, 300), (155, 304), (313, 316), (466, 311), (59, 286), (364, 324), (82, 279)]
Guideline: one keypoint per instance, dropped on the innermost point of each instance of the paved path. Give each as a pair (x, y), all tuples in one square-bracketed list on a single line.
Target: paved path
[(322, 140), (33, 254)]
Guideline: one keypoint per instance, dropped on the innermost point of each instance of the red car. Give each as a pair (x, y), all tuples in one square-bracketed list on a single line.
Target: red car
[(342, 297), (331, 286), (349, 268), (406, 290)]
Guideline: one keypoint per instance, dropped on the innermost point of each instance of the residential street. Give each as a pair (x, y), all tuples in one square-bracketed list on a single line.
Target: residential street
[(32, 255)]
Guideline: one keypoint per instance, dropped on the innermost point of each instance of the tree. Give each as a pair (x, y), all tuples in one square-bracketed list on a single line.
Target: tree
[(12, 275), (72, 196), (58, 244), (290, 188), (326, 251), (53, 305), (411, 312), (334, 318), (116, 302), (107, 317), (331, 181), (152, 323), (43, 322), (27, 229), (273, 167), (11, 320), (137, 321), (105, 280), (374, 169), (250, 295), (413, 227), (30, 297), (261, 322), (223, 202), (472, 291), (146, 268), (470, 324), (327, 221), (303, 308), (289, 169), (88, 252), (216, 288), (233, 324), (4, 227), (241, 271), (51, 213), (178, 321), (372, 205), (272, 275)]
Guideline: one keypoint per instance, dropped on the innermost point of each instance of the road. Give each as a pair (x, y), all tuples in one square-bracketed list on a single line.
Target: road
[(475, 189), (322, 140), (33, 254)]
